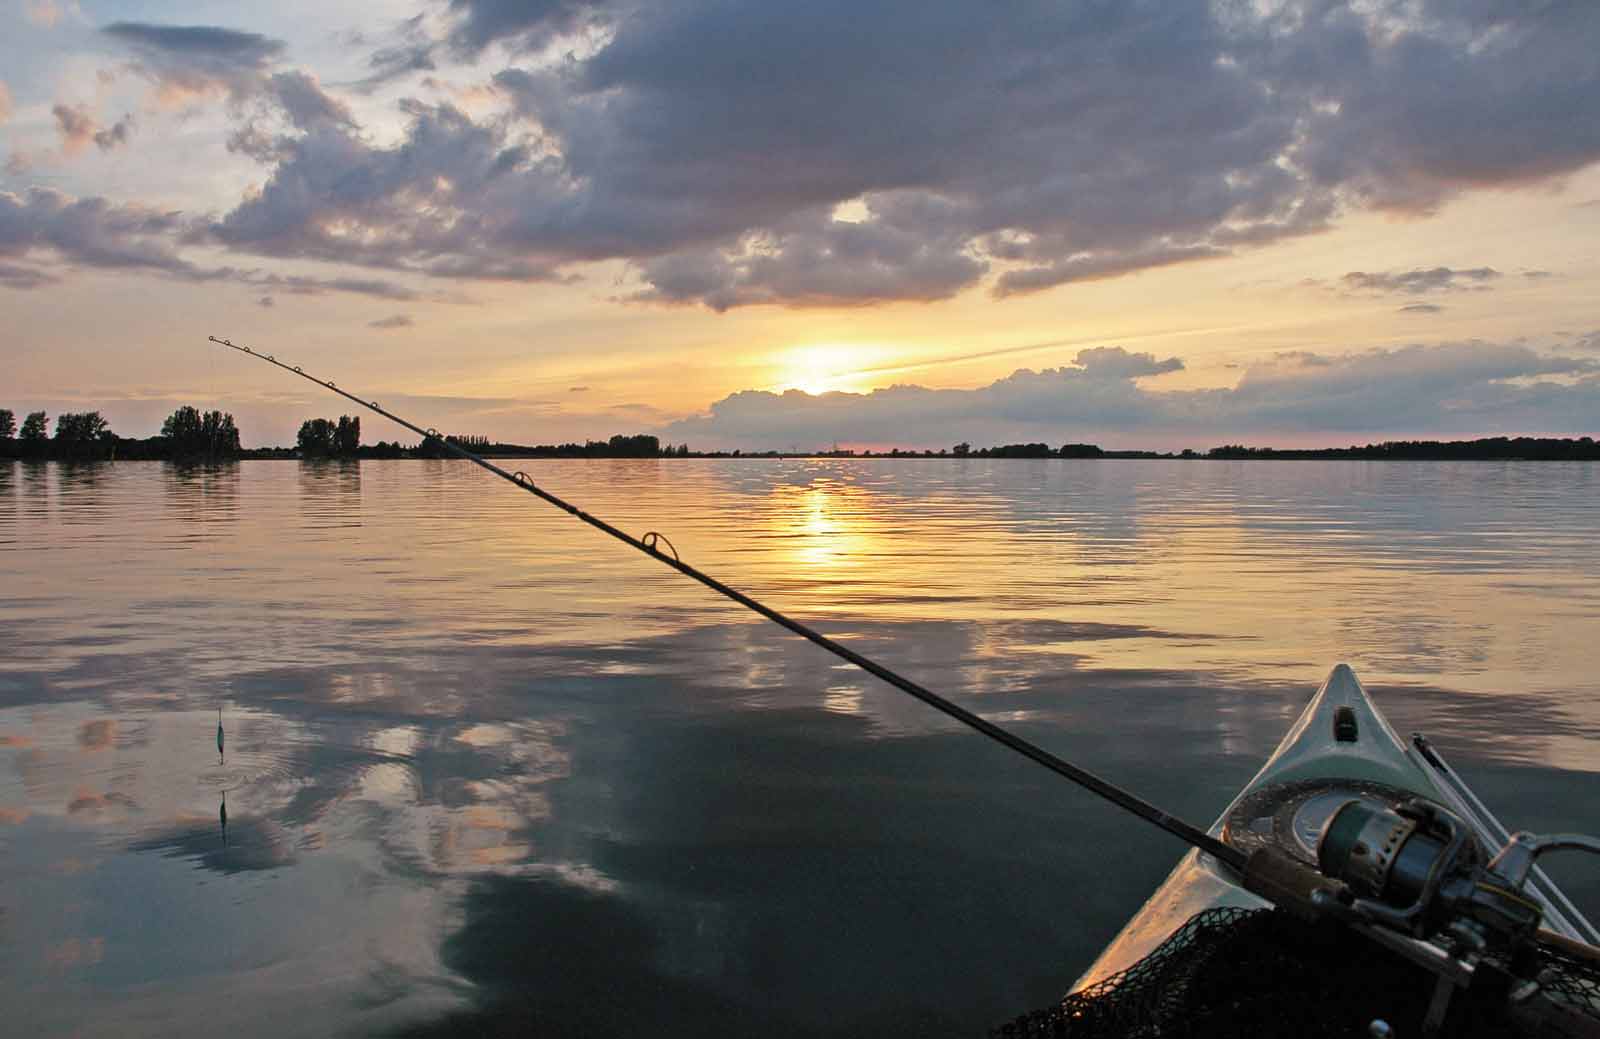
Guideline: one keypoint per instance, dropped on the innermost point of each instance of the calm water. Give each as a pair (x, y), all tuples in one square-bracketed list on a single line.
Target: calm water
[(486, 769)]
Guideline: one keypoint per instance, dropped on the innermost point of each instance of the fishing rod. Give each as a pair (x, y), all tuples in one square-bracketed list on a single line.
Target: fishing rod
[(650, 544), (1410, 876)]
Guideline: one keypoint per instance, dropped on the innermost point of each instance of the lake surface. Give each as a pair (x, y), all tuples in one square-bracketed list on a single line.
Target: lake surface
[(490, 772)]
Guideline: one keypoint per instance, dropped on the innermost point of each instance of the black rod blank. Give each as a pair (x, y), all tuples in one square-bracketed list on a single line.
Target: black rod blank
[(1081, 776)]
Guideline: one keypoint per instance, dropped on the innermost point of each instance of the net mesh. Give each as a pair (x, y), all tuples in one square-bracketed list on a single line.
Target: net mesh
[(1243, 972)]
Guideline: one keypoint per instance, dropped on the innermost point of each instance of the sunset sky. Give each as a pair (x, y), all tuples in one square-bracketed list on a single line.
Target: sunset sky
[(759, 224)]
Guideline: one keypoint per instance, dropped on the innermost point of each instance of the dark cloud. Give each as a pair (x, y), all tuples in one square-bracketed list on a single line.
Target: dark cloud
[(1096, 266), (14, 276), (431, 203), (79, 129), (1113, 362), (1466, 388), (1420, 308), (304, 102), (1038, 144), (92, 232), (199, 42), (391, 63), (186, 60), (304, 285), (1419, 281), (266, 301), (47, 226), (710, 143), (76, 125), (815, 261), (391, 322), (249, 843), (1422, 101), (399, 52), (1537, 275), (116, 134), (521, 24)]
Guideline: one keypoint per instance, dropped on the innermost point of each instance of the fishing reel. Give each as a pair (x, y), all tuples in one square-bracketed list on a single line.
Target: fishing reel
[(1416, 868), (1413, 877)]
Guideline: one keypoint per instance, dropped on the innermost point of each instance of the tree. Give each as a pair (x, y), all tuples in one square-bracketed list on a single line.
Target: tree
[(641, 446), (83, 434), (183, 428), (221, 435), (192, 434), (315, 439), (34, 434), (347, 437), (8, 424), (961, 450)]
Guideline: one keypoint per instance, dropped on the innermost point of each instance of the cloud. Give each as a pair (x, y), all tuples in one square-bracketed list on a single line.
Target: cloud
[(520, 24), (435, 203), (1113, 362), (1420, 308), (306, 285), (5, 103), (198, 43), (266, 301), (814, 261), (45, 226), (408, 49), (92, 232), (15, 276), (788, 162), (76, 126), (391, 63), (1461, 388), (1419, 281), (304, 102), (114, 135), (189, 60), (391, 322), (1068, 143)]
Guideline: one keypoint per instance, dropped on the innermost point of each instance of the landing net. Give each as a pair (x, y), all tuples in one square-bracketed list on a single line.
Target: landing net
[(1260, 973)]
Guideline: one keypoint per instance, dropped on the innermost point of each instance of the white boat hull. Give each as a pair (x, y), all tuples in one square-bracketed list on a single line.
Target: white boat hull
[(1312, 751)]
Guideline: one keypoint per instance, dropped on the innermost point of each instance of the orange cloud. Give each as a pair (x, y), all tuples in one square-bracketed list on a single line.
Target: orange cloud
[(97, 735)]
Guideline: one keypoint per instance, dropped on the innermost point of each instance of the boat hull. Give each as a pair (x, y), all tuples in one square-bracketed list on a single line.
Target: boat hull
[(1339, 736)]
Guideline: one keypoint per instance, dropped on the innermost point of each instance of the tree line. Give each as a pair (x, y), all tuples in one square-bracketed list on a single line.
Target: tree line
[(189, 434), (86, 436), (78, 435), (1547, 449)]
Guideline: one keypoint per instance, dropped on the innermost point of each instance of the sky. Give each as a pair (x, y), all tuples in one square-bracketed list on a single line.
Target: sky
[(739, 223)]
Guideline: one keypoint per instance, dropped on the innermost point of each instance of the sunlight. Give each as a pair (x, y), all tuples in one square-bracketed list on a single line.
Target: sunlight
[(819, 368), (826, 524)]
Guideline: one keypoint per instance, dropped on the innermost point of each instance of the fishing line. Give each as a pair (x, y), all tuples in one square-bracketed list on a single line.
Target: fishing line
[(649, 546)]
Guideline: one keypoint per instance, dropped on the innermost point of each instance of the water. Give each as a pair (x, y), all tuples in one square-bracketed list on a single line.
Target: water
[(486, 769)]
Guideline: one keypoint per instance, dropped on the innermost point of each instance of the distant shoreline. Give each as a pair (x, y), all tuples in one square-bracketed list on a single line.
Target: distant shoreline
[(273, 455), (1485, 449)]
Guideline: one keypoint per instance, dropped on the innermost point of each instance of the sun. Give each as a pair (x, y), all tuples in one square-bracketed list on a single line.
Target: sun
[(818, 368)]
